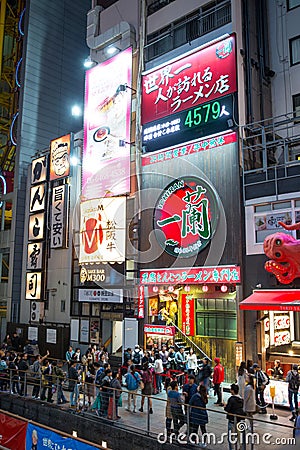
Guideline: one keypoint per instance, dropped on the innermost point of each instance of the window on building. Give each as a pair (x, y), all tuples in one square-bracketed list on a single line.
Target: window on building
[(5, 267), (293, 4), (268, 216), (156, 5), (296, 105), (295, 51), (209, 17), (216, 317)]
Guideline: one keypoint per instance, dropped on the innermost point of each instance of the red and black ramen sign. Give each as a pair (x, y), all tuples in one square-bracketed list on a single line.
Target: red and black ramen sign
[(186, 216)]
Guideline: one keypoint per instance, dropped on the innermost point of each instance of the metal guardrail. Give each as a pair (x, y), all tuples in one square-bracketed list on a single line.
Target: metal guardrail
[(248, 432)]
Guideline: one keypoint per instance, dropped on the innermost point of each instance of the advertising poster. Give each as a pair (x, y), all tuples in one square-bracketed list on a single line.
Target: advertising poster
[(38, 438), (107, 110), (102, 230), (60, 157), (189, 81), (12, 432)]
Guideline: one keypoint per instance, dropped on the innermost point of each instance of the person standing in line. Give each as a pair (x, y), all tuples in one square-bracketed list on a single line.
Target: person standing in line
[(164, 355), (37, 373), (242, 378), (218, 378), (23, 367), (168, 413), (137, 356), (47, 381), (261, 382), (159, 370), (117, 391), (132, 383), (234, 408), (205, 371), (188, 390), (198, 413), (293, 379), (60, 376), (249, 397), (192, 362), (69, 356), (176, 403), (180, 360), (74, 374), (147, 378)]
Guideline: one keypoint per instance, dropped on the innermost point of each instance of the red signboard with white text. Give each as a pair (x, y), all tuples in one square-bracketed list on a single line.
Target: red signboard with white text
[(162, 330), (192, 275), (188, 314), (12, 432), (141, 302), (185, 82)]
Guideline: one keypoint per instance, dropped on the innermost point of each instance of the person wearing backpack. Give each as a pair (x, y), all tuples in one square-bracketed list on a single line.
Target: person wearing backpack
[(132, 379), (137, 356), (293, 378), (262, 380)]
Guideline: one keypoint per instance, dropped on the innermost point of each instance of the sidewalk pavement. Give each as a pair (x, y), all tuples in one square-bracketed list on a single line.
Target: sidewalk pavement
[(267, 432)]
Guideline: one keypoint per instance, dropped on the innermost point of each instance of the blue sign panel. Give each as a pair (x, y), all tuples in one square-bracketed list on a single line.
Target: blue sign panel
[(38, 438)]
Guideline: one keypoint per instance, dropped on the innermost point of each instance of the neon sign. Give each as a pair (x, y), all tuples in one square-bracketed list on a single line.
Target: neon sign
[(202, 120), (186, 216)]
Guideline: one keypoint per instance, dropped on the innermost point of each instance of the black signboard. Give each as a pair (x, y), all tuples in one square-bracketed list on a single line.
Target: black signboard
[(204, 120)]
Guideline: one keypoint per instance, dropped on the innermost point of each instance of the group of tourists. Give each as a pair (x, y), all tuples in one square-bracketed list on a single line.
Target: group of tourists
[(186, 380)]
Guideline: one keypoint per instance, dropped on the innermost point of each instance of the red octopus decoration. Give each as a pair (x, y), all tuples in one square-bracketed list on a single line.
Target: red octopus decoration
[(284, 251)]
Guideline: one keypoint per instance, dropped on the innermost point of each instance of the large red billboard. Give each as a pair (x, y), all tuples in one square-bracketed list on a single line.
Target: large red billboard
[(188, 81)]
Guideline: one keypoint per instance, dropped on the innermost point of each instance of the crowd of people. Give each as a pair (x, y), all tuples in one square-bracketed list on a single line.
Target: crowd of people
[(186, 381)]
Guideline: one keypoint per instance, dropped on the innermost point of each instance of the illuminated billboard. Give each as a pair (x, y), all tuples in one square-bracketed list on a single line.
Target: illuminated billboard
[(186, 216), (107, 114), (60, 157), (102, 230), (189, 81)]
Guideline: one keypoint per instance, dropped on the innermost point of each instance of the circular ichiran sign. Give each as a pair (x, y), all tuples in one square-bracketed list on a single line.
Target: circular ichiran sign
[(187, 213)]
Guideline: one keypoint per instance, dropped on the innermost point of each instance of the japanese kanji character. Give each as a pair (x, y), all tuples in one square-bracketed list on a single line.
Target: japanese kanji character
[(150, 83), (224, 112), (221, 86), (160, 96), (183, 85), (166, 74)]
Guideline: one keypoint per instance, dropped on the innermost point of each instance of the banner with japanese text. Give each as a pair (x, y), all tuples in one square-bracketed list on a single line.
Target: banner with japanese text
[(12, 432), (188, 314), (59, 216), (38, 438), (196, 78)]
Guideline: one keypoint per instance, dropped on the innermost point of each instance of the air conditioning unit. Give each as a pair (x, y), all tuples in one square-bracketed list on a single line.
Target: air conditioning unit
[(36, 311)]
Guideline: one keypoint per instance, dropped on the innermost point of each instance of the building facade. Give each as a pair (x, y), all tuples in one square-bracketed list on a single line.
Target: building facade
[(188, 159)]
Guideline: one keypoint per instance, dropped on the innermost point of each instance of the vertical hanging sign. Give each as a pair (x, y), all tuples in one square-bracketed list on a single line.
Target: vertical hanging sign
[(188, 314), (59, 216), (141, 302)]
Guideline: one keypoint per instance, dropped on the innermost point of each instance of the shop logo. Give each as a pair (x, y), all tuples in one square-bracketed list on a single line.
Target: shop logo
[(224, 49), (92, 236), (186, 216)]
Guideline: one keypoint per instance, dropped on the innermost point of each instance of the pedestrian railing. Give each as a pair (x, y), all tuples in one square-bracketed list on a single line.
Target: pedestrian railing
[(244, 433)]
